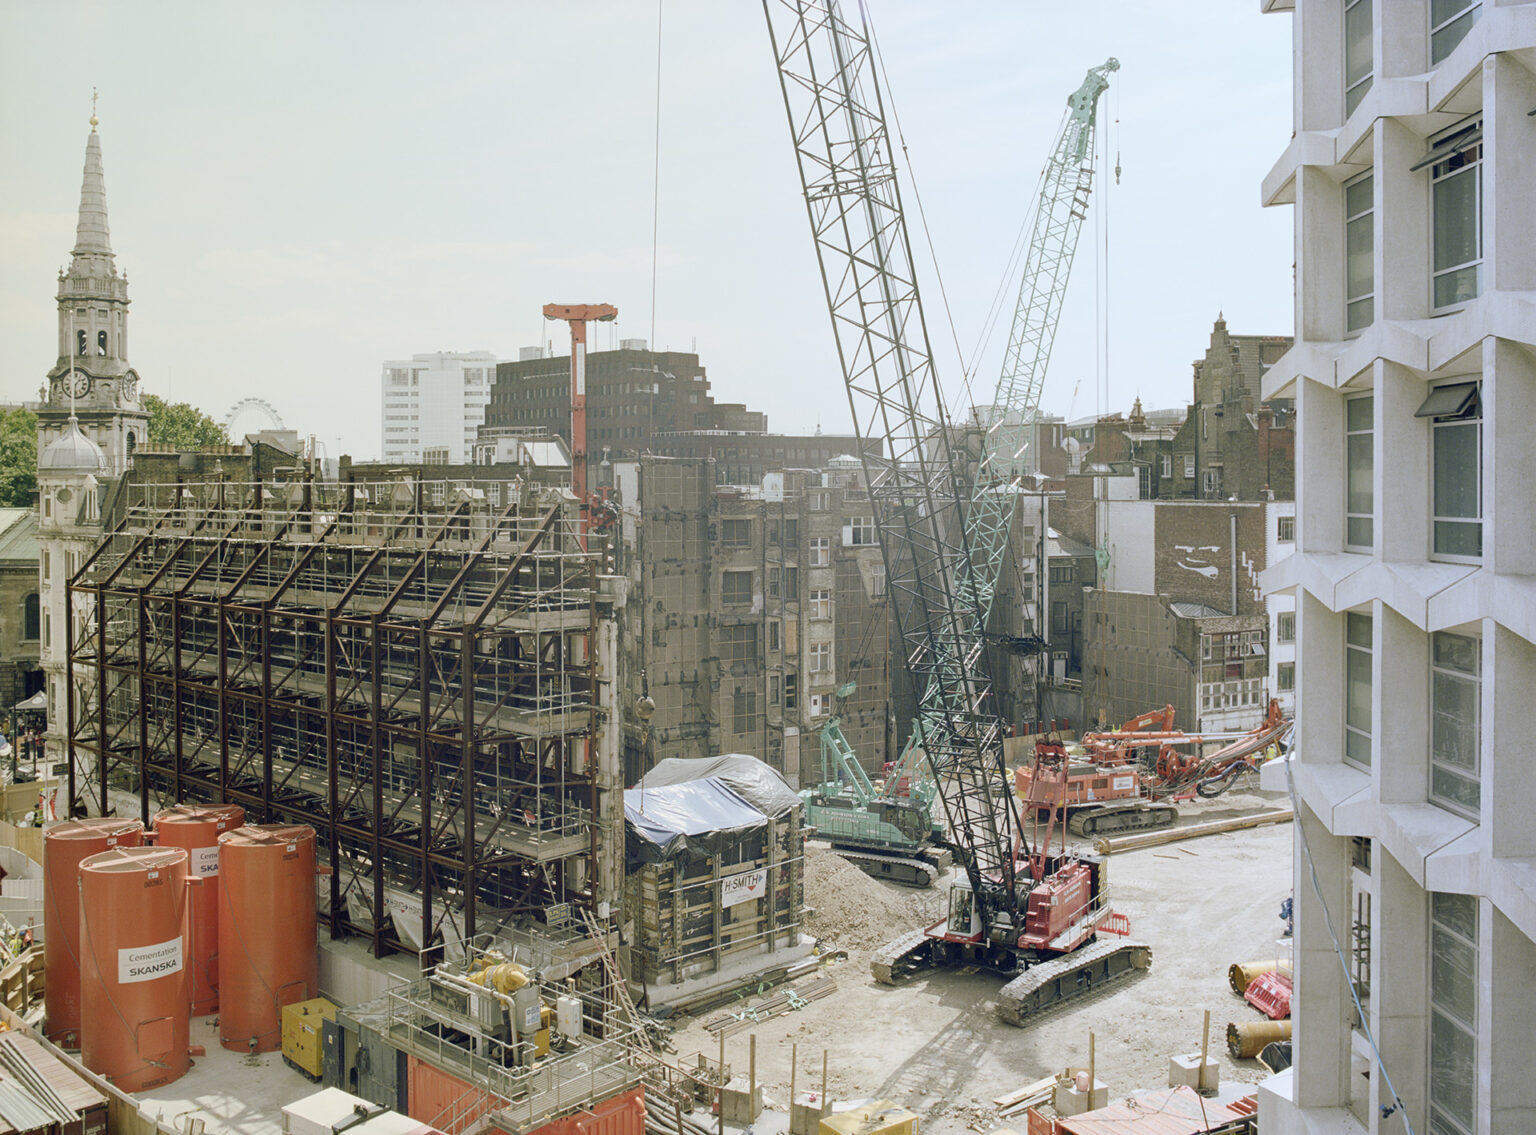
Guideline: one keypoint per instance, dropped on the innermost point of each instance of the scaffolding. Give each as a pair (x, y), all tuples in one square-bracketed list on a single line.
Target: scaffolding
[(400, 663)]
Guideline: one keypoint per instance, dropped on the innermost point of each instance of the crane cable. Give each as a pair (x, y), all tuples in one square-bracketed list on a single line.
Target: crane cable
[(965, 375), (656, 184)]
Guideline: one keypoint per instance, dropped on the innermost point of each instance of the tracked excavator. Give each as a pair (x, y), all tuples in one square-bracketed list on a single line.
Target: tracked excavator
[(1127, 780), (886, 835), (1039, 917)]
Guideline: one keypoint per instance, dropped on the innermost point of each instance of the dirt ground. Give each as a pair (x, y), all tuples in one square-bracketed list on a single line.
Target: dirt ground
[(935, 1044)]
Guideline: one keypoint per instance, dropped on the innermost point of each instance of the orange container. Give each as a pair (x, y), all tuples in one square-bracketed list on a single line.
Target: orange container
[(197, 827), (135, 994), (266, 932), (64, 846)]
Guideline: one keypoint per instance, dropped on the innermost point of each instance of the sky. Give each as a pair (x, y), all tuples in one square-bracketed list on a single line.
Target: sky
[(299, 191)]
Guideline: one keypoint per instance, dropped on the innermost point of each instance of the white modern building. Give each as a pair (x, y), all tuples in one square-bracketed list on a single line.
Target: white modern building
[(433, 404), (1411, 170), (1280, 538)]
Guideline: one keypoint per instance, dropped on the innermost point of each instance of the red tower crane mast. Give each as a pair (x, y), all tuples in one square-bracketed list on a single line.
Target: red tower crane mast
[(578, 315)]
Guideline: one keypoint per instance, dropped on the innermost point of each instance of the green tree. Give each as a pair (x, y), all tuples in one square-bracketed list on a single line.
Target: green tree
[(179, 425), (18, 458)]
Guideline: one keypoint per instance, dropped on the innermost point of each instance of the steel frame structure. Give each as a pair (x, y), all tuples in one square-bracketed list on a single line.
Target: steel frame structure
[(847, 167), (399, 664)]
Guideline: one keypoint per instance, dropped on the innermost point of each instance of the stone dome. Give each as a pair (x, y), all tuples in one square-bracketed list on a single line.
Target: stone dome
[(72, 452)]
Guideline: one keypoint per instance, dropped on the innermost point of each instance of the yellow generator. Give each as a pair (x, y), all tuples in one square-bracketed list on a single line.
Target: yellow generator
[(303, 1035), (880, 1117)]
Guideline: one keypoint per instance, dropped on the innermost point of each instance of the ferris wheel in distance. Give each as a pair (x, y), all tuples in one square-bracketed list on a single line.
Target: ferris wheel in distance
[(251, 415)]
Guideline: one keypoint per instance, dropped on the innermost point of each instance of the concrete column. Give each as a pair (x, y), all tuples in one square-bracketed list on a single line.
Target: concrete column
[(1399, 986), (1321, 1010), (1402, 288), (1508, 750), (1400, 715), (1510, 1093), (1319, 465), (1509, 171), (1321, 198), (1509, 458), (1403, 43), (1319, 32), (1320, 684), (1402, 472)]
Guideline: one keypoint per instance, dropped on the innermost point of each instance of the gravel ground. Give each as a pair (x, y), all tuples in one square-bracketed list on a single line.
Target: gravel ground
[(935, 1045)]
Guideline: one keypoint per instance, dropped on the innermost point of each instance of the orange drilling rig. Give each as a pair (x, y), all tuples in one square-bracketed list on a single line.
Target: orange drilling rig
[(1127, 780)]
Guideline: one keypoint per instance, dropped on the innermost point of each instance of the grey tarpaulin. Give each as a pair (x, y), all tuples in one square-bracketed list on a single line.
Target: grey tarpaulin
[(752, 780), (698, 816)]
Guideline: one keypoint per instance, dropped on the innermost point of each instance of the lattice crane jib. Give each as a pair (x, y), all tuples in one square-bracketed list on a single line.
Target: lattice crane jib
[(853, 202), (1061, 204)]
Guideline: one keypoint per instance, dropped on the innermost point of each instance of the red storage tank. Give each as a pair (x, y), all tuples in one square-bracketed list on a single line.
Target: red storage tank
[(266, 932), (197, 827), (64, 846), (134, 983)]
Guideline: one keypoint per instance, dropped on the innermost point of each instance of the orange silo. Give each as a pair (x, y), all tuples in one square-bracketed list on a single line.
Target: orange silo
[(266, 931), (64, 846), (134, 982), (197, 827)]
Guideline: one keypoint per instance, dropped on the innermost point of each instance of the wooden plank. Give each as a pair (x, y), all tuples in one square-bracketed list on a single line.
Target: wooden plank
[(1024, 1093)]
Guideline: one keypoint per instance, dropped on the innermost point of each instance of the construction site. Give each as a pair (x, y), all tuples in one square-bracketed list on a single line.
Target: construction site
[(563, 795)]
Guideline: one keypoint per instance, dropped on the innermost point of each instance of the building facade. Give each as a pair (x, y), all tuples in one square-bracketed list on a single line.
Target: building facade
[(763, 614), (433, 404), (1414, 379), (21, 619)]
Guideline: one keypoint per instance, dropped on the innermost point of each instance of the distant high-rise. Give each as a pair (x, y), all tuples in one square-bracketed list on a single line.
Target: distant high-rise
[(433, 404), (1414, 379)]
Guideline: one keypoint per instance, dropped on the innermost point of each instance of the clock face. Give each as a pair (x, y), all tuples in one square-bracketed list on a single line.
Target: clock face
[(77, 384), (130, 388)]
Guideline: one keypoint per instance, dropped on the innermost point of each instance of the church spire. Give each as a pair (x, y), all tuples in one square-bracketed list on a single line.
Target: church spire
[(91, 236)]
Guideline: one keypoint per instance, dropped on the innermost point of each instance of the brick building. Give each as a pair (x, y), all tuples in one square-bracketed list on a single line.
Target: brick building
[(1233, 445), (759, 603)]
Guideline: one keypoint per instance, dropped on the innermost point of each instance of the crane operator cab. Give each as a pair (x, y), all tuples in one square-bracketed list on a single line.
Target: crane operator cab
[(964, 922)]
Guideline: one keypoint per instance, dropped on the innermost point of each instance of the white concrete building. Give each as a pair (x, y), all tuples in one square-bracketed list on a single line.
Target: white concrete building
[(433, 404), (1411, 171), (1280, 536)]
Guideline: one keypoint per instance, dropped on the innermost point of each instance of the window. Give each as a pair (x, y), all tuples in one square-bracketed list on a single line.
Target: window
[(1285, 626), (736, 533), (1455, 689), (1456, 411), (1061, 573), (1357, 53), (1165, 465), (784, 583), (101, 342), (1189, 466), (738, 643), (1358, 630), (744, 715), (876, 580), (818, 501), (736, 588), (860, 531), (821, 551), (1285, 677), (1058, 618), (1457, 213), (821, 604), (1453, 982), (1285, 529), (1449, 23), (1359, 255), (1213, 482), (791, 692), (29, 618), (1359, 459), (821, 658)]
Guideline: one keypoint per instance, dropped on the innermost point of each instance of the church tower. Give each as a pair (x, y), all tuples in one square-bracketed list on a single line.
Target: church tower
[(89, 425), (92, 379)]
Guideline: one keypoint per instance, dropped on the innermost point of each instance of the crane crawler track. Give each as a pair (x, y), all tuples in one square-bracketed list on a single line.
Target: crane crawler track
[(1070, 977), (1111, 819), (906, 955), (920, 872)]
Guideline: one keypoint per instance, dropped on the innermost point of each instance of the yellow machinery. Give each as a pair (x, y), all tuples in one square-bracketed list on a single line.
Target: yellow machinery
[(303, 1034), (878, 1118)]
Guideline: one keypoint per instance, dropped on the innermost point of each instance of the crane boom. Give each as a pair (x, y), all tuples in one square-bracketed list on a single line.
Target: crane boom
[(846, 162)]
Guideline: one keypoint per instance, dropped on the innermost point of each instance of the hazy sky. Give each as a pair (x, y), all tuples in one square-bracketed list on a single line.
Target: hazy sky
[(299, 191)]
